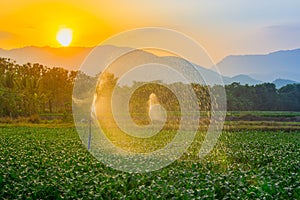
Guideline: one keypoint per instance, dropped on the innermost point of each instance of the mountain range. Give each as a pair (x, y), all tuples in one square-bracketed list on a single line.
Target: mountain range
[(67, 57), (267, 68), (281, 67)]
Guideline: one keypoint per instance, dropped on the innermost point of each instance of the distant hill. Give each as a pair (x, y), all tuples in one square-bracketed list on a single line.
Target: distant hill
[(67, 57), (245, 79), (72, 58), (233, 68), (276, 65), (283, 82)]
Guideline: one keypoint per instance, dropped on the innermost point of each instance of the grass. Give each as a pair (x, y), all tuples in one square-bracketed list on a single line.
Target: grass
[(264, 113), (40, 125), (262, 125), (51, 163)]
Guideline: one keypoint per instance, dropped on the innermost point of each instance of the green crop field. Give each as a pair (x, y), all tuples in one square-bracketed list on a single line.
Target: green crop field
[(51, 163), (265, 113)]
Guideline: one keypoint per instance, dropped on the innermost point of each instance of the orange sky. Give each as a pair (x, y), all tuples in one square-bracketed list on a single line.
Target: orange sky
[(222, 27), (37, 22)]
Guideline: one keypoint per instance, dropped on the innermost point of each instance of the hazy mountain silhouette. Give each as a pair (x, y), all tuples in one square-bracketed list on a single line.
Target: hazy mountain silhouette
[(245, 79), (67, 57), (72, 58), (283, 82), (233, 68), (280, 64)]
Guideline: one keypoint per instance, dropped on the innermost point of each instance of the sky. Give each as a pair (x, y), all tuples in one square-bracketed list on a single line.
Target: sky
[(221, 27)]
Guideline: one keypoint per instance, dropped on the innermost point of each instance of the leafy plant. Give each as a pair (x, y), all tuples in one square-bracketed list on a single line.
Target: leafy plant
[(51, 163)]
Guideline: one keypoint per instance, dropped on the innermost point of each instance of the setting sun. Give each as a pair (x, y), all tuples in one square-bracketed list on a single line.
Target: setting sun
[(64, 36)]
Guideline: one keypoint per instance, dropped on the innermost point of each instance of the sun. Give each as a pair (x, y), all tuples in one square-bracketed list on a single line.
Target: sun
[(64, 36)]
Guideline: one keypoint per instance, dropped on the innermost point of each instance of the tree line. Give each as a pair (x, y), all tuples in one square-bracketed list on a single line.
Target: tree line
[(30, 89), (263, 97)]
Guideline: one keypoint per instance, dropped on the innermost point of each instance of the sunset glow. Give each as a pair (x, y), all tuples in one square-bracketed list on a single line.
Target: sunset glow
[(149, 99), (64, 36), (35, 23)]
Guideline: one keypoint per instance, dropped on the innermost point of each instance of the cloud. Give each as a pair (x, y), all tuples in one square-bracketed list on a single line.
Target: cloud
[(283, 28)]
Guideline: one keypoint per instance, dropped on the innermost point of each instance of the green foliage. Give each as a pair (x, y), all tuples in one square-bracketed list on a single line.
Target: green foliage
[(43, 163), (290, 97), (30, 89), (263, 97)]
